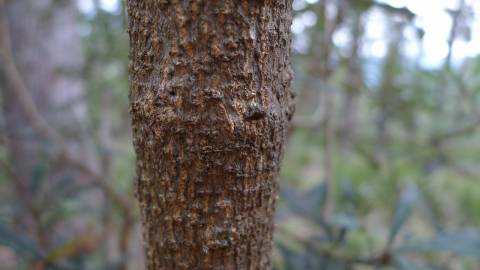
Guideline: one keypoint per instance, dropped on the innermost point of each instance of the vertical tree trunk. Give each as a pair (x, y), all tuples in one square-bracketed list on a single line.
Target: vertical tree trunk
[(353, 86), (210, 103)]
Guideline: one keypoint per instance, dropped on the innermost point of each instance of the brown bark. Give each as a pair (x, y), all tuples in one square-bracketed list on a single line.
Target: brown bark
[(210, 104)]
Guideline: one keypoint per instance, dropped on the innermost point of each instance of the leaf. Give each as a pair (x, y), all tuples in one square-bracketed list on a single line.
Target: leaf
[(21, 244), (305, 259), (362, 5), (403, 211), (463, 243), (38, 175), (348, 195), (308, 204), (345, 221)]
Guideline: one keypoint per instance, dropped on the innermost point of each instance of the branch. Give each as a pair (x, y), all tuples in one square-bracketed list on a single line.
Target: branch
[(442, 138), (402, 11)]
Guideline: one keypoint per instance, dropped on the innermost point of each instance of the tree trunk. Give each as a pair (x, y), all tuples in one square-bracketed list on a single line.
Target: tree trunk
[(353, 86), (210, 104)]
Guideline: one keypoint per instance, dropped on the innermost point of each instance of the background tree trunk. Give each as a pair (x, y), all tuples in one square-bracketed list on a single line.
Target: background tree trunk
[(210, 103), (46, 53)]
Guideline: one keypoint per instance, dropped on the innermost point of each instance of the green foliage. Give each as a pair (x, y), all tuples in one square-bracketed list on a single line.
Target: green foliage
[(401, 205), (464, 243), (407, 200)]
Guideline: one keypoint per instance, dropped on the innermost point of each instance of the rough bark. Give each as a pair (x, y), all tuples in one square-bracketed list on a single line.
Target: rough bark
[(210, 104)]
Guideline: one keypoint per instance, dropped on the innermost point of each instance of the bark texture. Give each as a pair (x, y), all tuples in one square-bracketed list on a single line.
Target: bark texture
[(210, 104)]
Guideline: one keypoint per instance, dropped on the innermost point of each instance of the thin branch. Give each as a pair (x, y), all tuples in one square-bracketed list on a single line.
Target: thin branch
[(405, 12), (467, 128), (329, 117)]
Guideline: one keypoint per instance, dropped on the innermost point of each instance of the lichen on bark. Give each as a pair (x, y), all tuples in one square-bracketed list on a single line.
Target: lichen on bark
[(210, 103)]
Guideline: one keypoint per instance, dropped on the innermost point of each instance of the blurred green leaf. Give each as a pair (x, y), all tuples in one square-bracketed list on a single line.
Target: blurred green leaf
[(402, 263), (307, 203), (304, 259), (463, 243), (403, 211), (38, 174), (23, 246), (345, 221)]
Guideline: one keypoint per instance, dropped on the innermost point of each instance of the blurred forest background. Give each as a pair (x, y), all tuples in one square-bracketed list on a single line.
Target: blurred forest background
[(381, 170)]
